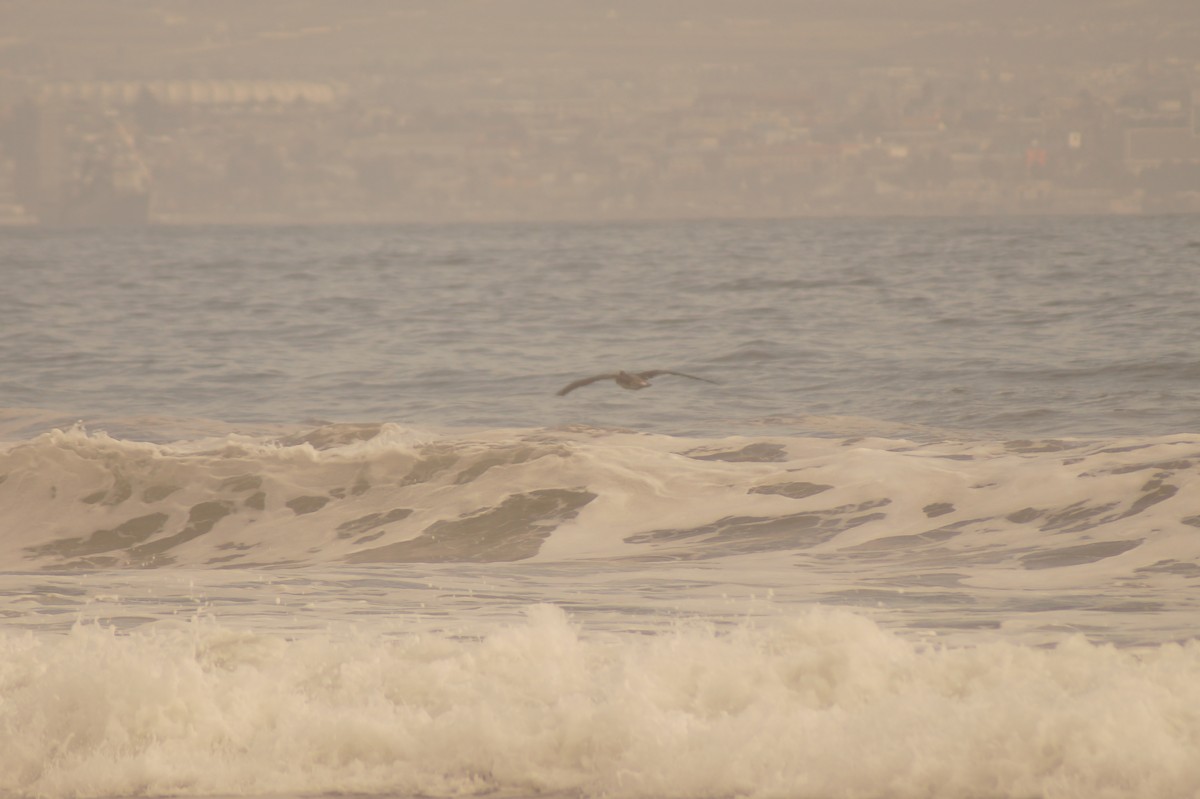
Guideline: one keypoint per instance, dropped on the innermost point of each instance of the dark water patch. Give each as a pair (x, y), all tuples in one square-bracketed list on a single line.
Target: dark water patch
[(734, 535), (1033, 447), (867, 597), (958, 624), (201, 520), (934, 536), (1156, 492), (1131, 606), (256, 501), (791, 490), (307, 504), (894, 542), (124, 535), (513, 530), (930, 580), (760, 452), (744, 528), (1077, 517), (121, 491), (1047, 604), (1119, 450), (372, 520), (1025, 515), (1185, 568), (159, 492), (938, 509), (124, 623), (89, 563), (1077, 555), (239, 547), (55, 594), (1163, 466), (241, 483)]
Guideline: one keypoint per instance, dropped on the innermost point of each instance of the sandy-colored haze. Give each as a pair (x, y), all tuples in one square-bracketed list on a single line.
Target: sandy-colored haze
[(200, 111)]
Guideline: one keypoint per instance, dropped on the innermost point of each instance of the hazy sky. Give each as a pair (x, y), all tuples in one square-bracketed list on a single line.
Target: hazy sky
[(322, 38), (469, 108)]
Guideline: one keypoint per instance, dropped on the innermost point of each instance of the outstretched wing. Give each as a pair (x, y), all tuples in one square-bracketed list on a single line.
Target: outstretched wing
[(656, 372), (569, 387)]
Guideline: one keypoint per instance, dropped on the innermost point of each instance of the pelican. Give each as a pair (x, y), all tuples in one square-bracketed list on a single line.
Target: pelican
[(630, 380)]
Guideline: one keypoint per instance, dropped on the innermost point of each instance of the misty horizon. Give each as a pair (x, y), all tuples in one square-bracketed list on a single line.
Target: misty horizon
[(534, 110)]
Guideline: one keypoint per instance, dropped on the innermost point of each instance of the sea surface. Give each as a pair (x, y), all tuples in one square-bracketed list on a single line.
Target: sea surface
[(298, 511)]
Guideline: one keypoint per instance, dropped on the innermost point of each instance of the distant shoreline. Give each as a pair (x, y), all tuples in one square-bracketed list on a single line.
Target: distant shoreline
[(273, 220)]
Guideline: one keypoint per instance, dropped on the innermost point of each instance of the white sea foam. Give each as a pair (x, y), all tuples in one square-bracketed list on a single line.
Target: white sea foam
[(1011, 513), (823, 704)]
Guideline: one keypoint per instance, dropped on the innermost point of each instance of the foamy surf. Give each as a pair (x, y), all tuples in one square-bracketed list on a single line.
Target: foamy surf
[(375, 609), (819, 704), (1044, 512)]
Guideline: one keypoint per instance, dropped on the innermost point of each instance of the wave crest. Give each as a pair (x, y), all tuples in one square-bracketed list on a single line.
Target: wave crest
[(372, 493)]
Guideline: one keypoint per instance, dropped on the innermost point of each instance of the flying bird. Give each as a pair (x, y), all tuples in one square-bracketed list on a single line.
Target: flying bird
[(632, 381)]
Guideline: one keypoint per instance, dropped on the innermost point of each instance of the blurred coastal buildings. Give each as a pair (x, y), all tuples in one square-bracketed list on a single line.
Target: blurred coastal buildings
[(303, 116)]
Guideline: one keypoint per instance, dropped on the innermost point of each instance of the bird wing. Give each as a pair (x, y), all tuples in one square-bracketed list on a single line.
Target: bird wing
[(569, 387), (656, 372)]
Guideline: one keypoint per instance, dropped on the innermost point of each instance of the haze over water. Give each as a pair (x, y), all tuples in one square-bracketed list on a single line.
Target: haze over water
[(290, 507)]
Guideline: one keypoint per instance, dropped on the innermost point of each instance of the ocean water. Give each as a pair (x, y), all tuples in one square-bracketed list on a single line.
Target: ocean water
[(298, 511)]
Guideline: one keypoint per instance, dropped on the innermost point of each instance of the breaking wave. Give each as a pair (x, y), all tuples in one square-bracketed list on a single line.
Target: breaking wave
[(824, 704), (547, 555), (381, 493)]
